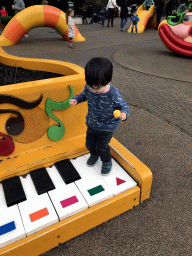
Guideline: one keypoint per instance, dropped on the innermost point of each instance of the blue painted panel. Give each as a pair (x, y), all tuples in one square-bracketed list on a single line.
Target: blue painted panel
[(7, 228)]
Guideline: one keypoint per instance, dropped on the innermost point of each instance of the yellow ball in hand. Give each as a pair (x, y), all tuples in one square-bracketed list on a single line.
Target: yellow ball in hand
[(117, 113)]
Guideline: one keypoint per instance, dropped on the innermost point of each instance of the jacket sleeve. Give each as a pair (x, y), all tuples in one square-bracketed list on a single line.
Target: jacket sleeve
[(80, 97), (107, 6), (121, 104), (114, 3)]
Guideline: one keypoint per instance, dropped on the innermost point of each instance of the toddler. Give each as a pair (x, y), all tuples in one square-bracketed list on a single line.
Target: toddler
[(70, 23), (3, 12), (134, 19), (103, 14), (102, 98)]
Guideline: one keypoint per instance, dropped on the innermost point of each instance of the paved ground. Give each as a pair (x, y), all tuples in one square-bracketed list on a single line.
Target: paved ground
[(158, 132)]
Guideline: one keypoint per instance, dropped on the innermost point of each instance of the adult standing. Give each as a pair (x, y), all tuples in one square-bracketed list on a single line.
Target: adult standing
[(171, 7), (111, 10), (124, 14), (159, 11), (90, 12), (18, 6)]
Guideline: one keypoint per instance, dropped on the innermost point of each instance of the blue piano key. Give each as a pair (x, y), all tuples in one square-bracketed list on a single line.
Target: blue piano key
[(7, 228)]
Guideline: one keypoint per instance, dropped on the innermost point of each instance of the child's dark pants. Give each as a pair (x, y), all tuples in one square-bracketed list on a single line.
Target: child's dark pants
[(97, 143), (133, 27), (84, 19), (103, 20)]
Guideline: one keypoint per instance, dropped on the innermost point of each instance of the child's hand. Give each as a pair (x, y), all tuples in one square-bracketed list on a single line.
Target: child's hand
[(122, 116), (73, 102)]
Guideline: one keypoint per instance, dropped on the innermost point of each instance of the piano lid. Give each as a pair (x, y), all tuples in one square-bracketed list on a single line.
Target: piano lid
[(37, 124)]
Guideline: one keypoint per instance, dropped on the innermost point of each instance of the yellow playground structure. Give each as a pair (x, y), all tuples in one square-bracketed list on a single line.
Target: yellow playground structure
[(147, 18), (48, 195), (36, 16)]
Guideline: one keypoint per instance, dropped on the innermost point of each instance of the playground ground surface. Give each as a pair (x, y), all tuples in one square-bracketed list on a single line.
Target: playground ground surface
[(157, 85)]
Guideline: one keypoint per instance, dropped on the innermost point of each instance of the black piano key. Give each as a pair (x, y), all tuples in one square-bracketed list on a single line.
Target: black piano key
[(13, 190), (41, 181), (67, 171)]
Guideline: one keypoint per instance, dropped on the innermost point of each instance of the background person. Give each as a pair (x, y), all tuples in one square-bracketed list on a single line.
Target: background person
[(103, 14), (18, 6), (70, 23), (90, 11), (171, 7), (134, 19), (45, 2), (111, 10), (124, 14), (148, 3), (95, 18), (84, 15), (3, 12), (159, 11)]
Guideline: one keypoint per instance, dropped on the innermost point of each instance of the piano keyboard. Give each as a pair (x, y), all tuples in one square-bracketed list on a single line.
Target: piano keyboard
[(49, 195)]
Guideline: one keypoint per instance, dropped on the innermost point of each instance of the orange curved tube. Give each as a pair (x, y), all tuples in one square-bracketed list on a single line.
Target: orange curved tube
[(37, 16)]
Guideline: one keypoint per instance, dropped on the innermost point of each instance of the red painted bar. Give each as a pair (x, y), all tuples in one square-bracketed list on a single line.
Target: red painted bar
[(69, 201)]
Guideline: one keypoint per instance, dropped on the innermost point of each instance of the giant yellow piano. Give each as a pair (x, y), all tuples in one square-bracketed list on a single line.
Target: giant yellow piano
[(48, 195)]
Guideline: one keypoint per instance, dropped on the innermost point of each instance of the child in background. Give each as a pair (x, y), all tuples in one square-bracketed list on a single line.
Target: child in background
[(3, 12), (148, 3), (102, 98), (70, 23), (45, 2), (103, 14), (134, 19)]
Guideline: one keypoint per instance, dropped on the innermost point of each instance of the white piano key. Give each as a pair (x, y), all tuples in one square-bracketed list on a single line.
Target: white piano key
[(117, 174), (66, 199), (90, 180), (39, 205), (11, 226), (85, 171)]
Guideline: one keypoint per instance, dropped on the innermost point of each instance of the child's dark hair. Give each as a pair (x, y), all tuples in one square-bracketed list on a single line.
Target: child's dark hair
[(68, 12), (98, 72)]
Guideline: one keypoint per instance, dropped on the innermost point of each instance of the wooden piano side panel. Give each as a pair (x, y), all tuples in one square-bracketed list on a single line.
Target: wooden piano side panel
[(134, 166), (43, 151)]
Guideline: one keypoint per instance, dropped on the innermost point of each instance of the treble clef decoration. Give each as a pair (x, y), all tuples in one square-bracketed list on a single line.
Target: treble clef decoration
[(56, 132)]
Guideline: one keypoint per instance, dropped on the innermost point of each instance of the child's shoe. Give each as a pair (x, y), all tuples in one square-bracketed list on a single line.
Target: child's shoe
[(92, 160), (71, 46), (106, 168)]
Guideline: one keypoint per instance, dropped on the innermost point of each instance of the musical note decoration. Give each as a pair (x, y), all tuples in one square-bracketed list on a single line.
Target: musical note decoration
[(15, 125), (56, 132)]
